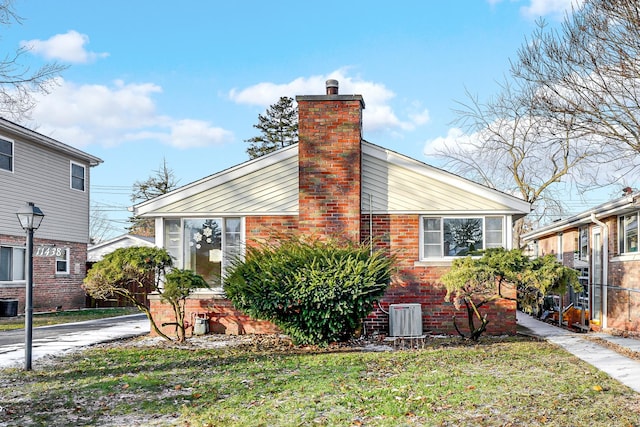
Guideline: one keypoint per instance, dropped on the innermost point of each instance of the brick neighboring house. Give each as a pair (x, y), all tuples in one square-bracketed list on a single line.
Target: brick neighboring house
[(334, 183), (602, 244), (55, 177)]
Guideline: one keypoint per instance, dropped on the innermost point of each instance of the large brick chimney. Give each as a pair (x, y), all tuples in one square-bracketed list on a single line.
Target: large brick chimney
[(330, 156)]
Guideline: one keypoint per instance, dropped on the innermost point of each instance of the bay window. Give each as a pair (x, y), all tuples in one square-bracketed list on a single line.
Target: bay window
[(459, 236)]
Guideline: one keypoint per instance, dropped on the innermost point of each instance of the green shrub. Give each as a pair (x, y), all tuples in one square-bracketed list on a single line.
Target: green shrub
[(316, 292)]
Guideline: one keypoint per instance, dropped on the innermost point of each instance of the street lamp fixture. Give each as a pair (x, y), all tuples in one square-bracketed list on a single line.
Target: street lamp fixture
[(30, 217)]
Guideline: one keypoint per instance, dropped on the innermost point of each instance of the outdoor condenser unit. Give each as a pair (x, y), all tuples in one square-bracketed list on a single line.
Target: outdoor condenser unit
[(405, 320)]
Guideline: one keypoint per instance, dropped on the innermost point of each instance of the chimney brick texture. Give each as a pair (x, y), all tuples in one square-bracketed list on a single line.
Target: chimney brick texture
[(330, 157)]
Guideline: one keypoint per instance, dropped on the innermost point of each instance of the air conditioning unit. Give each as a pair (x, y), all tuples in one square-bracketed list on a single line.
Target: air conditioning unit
[(405, 320)]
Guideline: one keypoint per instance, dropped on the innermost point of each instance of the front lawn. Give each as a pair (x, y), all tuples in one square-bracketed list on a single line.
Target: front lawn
[(497, 382)]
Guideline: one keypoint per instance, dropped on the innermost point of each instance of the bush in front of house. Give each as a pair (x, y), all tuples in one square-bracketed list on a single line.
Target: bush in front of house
[(129, 272), (316, 292), (474, 282)]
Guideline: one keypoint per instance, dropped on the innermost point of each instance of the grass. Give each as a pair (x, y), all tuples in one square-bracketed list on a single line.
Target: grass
[(57, 317), (498, 382)]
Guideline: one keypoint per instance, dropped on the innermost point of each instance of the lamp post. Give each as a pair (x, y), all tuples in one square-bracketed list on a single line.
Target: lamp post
[(30, 217)]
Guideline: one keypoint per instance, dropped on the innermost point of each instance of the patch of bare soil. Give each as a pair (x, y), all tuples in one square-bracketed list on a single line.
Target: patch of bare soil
[(271, 343)]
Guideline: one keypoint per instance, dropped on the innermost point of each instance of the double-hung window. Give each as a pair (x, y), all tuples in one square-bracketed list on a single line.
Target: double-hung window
[(444, 236), (6, 155), (628, 233), (77, 176), (62, 261), (12, 264)]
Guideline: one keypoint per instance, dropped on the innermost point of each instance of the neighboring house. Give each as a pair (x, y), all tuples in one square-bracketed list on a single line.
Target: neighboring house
[(602, 244), (55, 177), (96, 252), (99, 250), (333, 183)]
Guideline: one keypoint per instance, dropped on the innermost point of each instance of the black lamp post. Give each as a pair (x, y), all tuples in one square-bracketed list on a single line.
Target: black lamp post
[(30, 217)]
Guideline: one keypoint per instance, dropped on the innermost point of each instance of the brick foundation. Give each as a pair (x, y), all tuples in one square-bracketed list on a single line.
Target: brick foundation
[(219, 312)]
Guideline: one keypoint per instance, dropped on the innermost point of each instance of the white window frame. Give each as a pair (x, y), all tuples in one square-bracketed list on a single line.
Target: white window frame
[(176, 245), (66, 261), (623, 234), (441, 232), (84, 176), (11, 155), (16, 268)]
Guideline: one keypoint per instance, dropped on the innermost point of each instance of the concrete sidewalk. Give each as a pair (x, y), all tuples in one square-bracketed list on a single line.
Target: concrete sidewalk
[(622, 368), (72, 336)]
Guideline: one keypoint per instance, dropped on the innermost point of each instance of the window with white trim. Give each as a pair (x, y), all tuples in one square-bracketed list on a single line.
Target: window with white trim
[(628, 233), (12, 263), (6, 154), (62, 261), (205, 245), (449, 236), (78, 176), (582, 245)]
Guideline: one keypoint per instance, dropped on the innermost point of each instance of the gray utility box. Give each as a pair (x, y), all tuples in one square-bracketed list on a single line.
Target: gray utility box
[(405, 320)]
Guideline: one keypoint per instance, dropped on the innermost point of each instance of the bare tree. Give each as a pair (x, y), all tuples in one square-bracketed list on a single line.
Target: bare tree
[(161, 182), (510, 148), (588, 71), (18, 82), (99, 224)]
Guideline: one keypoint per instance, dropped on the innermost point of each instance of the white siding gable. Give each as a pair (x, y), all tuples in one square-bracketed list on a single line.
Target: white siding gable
[(400, 184), (267, 185), (394, 183)]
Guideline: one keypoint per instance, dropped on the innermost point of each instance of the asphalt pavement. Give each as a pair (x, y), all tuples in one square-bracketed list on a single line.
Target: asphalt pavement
[(60, 339)]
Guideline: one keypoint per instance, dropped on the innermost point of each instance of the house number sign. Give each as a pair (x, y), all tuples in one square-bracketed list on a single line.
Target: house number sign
[(44, 251)]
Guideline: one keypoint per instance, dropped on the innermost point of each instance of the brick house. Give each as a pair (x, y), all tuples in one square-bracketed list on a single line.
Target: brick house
[(55, 177), (334, 183), (602, 244)]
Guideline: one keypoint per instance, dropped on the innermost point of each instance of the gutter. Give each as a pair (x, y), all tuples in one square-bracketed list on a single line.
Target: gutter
[(605, 266)]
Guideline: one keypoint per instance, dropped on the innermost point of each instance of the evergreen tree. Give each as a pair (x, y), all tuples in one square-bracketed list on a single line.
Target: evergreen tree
[(279, 127)]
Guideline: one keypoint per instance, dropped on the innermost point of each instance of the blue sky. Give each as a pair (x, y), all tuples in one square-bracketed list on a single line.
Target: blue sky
[(185, 82)]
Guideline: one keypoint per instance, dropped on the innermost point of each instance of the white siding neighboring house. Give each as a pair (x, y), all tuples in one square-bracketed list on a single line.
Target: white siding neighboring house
[(56, 178), (96, 252)]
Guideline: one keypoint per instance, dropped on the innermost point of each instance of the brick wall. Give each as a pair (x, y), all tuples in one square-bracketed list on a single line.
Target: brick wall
[(261, 229), (51, 291), (417, 282), (219, 312)]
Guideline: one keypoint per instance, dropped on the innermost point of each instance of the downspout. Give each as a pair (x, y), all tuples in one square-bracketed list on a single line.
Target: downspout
[(605, 266)]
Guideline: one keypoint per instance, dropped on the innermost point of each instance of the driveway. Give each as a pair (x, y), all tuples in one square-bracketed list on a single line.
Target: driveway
[(59, 339)]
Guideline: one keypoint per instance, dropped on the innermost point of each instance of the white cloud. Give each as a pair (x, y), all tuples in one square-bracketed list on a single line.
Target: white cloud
[(196, 133), (378, 114), (81, 115), (454, 137), (68, 47), (555, 8)]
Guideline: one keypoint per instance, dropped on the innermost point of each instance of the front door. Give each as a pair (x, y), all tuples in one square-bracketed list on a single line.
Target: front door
[(596, 277)]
